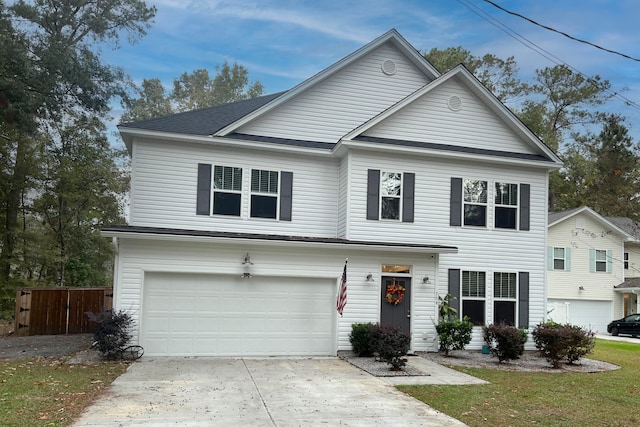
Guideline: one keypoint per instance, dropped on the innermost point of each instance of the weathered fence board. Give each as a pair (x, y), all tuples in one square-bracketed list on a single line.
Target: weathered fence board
[(56, 311)]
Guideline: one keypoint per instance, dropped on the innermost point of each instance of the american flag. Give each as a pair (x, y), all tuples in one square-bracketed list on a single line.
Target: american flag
[(341, 301)]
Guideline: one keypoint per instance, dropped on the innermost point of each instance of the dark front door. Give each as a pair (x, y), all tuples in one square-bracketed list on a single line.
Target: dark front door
[(395, 303)]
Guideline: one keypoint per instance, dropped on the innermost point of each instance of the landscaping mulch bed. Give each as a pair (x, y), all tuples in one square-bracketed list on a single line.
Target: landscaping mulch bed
[(382, 369), (531, 361)]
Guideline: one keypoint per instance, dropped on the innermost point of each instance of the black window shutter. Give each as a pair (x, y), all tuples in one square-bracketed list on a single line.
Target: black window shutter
[(203, 198), (408, 192), (525, 190), (523, 299), (454, 288), (286, 192), (455, 203), (373, 194)]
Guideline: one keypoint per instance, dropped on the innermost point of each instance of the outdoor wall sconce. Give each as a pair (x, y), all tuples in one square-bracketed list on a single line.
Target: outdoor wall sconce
[(581, 288), (247, 264), (370, 278), (426, 280)]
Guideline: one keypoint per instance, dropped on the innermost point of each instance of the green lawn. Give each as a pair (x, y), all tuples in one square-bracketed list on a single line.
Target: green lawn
[(546, 399), (45, 392)]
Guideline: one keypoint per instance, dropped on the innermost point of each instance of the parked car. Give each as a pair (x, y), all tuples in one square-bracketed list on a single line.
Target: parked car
[(627, 325)]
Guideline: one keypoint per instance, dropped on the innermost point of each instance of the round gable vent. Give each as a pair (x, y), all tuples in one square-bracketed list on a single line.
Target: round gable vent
[(388, 67), (454, 103)]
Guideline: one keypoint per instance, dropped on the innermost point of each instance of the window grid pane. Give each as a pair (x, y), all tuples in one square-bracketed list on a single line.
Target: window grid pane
[(227, 178), (506, 194), (263, 181), (601, 260), (473, 284), (475, 191), (504, 285)]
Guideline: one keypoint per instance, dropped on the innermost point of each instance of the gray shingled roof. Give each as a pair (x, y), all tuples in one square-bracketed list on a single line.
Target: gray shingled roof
[(205, 121), (631, 282), (557, 216), (626, 224)]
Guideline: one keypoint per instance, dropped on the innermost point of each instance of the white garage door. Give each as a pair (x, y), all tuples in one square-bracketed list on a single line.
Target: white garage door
[(594, 315), (208, 315)]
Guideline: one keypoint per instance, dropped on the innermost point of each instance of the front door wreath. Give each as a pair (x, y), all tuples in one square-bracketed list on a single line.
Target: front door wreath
[(395, 293)]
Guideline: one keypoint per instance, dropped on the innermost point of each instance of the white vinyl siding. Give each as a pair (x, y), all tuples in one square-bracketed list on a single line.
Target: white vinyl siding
[(139, 258), (164, 184), (332, 108), (474, 125)]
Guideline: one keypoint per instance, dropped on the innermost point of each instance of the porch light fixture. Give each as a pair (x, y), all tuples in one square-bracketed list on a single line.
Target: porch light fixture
[(370, 278), (426, 280), (247, 259), (581, 288), (247, 276)]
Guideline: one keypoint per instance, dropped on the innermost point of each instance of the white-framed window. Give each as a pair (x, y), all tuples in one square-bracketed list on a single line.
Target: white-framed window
[(475, 202), (505, 290), (390, 195), (506, 205), (559, 258), (601, 261), (264, 193), (474, 296), (227, 190)]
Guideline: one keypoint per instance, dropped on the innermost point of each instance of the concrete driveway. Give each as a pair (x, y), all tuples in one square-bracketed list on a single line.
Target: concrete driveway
[(255, 392)]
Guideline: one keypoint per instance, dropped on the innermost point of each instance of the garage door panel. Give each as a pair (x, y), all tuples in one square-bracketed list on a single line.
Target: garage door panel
[(589, 314), (188, 314)]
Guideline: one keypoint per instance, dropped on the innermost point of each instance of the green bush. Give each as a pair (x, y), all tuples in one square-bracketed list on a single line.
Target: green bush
[(556, 342), (505, 342), (580, 342), (360, 339), (391, 345), (113, 333), (454, 334)]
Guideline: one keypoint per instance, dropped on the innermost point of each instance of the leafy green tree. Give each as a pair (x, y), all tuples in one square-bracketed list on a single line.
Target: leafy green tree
[(500, 76), (151, 101)]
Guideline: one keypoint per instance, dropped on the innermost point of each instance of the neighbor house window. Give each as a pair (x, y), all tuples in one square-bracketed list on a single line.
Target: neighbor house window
[(227, 190), (506, 205), (626, 260), (601, 260), (559, 258), (264, 194), (504, 294), (473, 296), (390, 195), (475, 202)]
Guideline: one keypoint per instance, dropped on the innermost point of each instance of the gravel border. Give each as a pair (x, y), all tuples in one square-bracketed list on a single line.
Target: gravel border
[(381, 369)]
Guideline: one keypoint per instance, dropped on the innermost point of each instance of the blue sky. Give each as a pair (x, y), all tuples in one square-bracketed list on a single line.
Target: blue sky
[(283, 42)]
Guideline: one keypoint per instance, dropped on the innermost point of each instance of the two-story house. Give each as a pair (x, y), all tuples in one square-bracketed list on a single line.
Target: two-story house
[(591, 262), (242, 215)]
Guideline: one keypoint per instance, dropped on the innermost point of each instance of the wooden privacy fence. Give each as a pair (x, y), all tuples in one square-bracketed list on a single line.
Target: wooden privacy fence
[(57, 311)]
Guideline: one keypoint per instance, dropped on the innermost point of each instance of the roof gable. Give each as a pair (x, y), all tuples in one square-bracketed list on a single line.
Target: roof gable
[(344, 95), (558, 217), (458, 112)]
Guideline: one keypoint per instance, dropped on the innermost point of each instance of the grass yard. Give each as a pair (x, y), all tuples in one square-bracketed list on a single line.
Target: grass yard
[(45, 392), (546, 399)]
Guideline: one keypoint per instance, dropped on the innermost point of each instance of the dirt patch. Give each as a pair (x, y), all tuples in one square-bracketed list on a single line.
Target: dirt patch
[(53, 346), (6, 327), (531, 361)]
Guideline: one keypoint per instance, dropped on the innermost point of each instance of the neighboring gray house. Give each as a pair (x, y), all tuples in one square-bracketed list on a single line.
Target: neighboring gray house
[(242, 215)]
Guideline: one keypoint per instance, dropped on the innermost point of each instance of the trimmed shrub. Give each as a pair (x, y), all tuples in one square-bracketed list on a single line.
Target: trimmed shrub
[(580, 342), (556, 342), (454, 334), (391, 345), (505, 342), (113, 333), (360, 339)]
